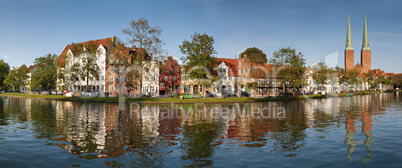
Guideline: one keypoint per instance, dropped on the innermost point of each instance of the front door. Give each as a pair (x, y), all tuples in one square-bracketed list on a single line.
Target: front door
[(195, 89)]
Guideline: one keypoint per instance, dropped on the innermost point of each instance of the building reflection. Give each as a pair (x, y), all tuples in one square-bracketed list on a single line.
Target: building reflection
[(143, 135), (361, 109)]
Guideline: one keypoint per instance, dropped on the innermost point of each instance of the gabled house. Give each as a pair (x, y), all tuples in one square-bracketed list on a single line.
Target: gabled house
[(25, 87), (70, 57), (122, 67), (169, 79), (227, 71), (150, 78)]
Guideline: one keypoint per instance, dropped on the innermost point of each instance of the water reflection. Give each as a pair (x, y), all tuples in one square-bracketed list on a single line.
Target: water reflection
[(145, 135)]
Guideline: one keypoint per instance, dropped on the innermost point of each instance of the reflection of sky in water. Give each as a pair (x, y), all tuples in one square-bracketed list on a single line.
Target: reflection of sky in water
[(347, 131)]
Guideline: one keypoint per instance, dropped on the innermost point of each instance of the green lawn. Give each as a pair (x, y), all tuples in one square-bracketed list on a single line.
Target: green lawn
[(178, 100)]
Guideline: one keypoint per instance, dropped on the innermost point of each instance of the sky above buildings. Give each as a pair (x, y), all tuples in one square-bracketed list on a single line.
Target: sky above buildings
[(30, 29)]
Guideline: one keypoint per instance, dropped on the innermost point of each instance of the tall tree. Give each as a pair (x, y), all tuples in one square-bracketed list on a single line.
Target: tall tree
[(45, 75), (4, 70), (199, 52), (290, 66), (90, 70), (321, 74), (255, 55), (17, 78), (141, 34)]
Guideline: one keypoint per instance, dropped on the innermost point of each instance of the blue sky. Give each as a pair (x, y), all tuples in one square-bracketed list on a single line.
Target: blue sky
[(31, 29)]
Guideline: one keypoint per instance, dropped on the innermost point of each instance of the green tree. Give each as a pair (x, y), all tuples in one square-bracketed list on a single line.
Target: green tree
[(369, 78), (45, 75), (352, 77), (290, 66), (4, 70), (255, 55), (89, 70), (397, 81), (199, 52), (383, 80), (341, 76), (321, 74), (16, 78)]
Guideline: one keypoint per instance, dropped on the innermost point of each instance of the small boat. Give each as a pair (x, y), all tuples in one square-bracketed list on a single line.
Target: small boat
[(349, 95)]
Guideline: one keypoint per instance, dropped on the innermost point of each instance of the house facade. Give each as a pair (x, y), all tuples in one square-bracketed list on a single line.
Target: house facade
[(150, 78), (74, 55), (25, 87), (169, 79)]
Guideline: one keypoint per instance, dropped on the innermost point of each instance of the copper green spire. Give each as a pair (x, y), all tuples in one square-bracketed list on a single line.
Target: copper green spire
[(349, 45), (365, 36)]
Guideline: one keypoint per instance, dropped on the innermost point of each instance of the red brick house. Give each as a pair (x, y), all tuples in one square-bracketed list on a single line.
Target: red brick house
[(117, 69), (169, 78)]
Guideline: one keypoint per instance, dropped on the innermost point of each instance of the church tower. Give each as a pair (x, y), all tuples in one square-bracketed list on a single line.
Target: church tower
[(349, 51), (366, 51)]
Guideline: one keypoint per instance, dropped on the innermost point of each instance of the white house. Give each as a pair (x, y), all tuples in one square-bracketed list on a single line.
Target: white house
[(99, 86), (150, 78), (226, 85)]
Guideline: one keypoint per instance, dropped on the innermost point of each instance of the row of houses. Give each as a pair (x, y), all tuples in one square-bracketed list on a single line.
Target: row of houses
[(157, 78)]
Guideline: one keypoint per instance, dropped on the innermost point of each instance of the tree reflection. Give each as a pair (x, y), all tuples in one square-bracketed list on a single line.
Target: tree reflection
[(198, 142), (291, 133), (43, 116)]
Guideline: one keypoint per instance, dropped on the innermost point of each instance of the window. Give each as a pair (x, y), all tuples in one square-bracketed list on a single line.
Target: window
[(186, 88), (111, 79), (135, 87), (111, 88), (173, 78), (165, 78), (167, 71), (172, 70), (162, 85), (170, 88), (200, 88)]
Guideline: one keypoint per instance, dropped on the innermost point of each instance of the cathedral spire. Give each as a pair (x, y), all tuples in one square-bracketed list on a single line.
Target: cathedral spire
[(349, 45), (365, 36)]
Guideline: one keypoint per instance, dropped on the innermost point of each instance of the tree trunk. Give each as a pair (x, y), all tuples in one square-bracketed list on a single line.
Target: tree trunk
[(283, 91), (87, 80)]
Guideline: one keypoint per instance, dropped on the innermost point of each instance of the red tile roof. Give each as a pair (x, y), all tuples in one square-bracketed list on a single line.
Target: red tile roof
[(232, 64), (30, 68), (104, 42)]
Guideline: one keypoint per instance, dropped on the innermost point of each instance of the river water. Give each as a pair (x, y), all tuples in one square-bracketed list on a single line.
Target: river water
[(359, 131)]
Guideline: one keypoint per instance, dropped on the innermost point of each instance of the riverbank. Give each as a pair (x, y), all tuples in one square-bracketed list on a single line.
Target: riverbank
[(148, 100)]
